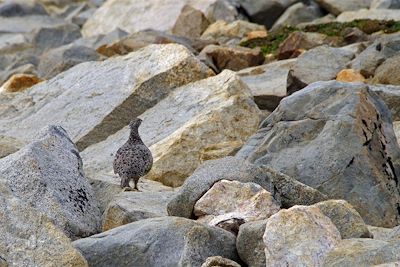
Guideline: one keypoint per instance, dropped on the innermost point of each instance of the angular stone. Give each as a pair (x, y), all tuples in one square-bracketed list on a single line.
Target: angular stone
[(27, 24), (390, 4), (9, 145), (387, 72), (336, 7), (231, 33), (164, 241), (210, 172), (28, 238), (349, 75), (362, 252), (19, 83), (191, 23), (21, 8), (179, 132), (87, 98), (321, 63), (345, 218), (49, 37), (133, 16), (250, 244), (268, 83), (265, 12), (225, 10), (48, 175), (216, 261), (299, 236), (378, 14), (235, 201), (324, 136), (130, 207), (232, 57), (297, 13), (60, 59)]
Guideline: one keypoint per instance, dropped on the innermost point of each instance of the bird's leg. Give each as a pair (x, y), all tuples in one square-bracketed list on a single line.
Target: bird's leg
[(125, 184), (136, 182)]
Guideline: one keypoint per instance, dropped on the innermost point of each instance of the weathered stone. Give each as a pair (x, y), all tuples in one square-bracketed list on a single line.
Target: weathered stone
[(48, 175), (133, 16), (87, 98), (301, 41), (385, 234), (345, 218), (296, 14), (299, 236), (28, 238), (164, 241), (250, 244), (21, 8), (387, 72), (27, 24), (391, 4), (390, 94), (231, 33), (130, 207), (265, 12), (191, 23), (63, 58), (268, 83), (232, 57), (218, 261), (391, 264), (336, 7), (54, 36), (362, 252), (204, 120), (378, 14), (349, 75), (9, 145), (225, 10), (321, 63), (210, 172), (233, 200), (19, 83), (324, 136)]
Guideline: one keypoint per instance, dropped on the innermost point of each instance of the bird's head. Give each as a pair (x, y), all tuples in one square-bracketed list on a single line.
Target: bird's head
[(135, 123)]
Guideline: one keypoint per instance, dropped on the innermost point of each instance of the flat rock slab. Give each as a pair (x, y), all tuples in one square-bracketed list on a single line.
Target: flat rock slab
[(96, 99), (337, 138), (164, 241), (133, 16), (204, 120), (336, 7), (378, 14), (48, 175)]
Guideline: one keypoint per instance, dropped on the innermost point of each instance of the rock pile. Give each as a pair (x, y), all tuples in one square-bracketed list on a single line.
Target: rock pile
[(273, 127)]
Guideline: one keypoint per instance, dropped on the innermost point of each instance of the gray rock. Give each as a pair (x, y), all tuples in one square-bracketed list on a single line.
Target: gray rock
[(130, 207), (225, 10), (321, 64), (250, 244), (336, 7), (385, 234), (265, 12), (386, 73), (323, 136), (390, 94), (60, 59), (390, 4), (362, 252), (27, 24), (212, 171), (87, 98), (345, 218), (21, 8), (55, 36), (191, 23), (28, 238), (378, 14), (268, 83), (48, 175), (9, 145), (218, 261), (297, 13), (164, 241)]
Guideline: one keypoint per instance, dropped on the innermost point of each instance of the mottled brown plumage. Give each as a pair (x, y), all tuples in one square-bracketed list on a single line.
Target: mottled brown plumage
[(133, 160)]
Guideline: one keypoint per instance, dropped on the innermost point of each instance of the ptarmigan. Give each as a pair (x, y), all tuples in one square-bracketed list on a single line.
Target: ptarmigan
[(133, 160)]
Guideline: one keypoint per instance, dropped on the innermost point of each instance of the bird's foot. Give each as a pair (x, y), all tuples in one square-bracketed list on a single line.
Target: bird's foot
[(128, 188)]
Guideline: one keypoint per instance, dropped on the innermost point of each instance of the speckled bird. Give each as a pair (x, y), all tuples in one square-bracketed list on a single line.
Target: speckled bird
[(133, 160)]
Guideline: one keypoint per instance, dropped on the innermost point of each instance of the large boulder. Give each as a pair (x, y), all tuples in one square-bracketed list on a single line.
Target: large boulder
[(96, 99), (378, 14), (298, 13), (299, 236), (164, 241), (133, 16), (28, 238), (48, 176), (250, 244), (338, 138), (336, 7), (203, 120), (386, 73)]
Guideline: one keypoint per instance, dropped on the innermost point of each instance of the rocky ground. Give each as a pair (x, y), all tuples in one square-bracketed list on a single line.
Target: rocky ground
[(273, 125)]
